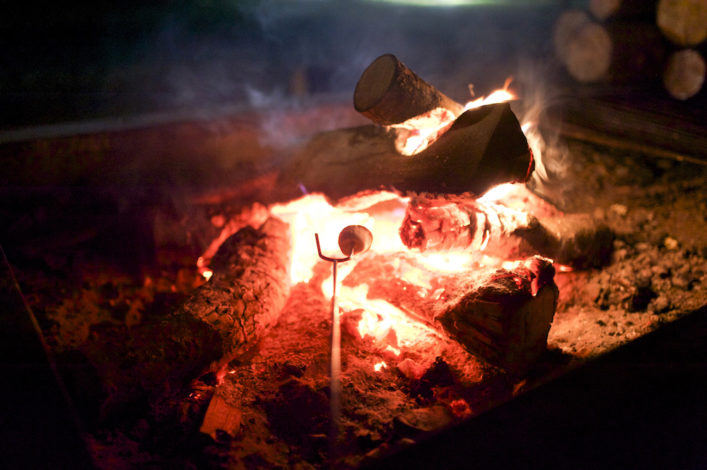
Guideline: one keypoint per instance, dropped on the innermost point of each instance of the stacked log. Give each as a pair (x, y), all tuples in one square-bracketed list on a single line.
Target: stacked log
[(502, 316), (388, 92), (683, 22), (632, 41)]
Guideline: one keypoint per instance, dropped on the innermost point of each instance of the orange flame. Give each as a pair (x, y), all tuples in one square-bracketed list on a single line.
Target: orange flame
[(381, 321), (419, 132)]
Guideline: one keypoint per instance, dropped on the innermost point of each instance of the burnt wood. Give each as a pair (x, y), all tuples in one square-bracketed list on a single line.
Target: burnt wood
[(462, 223), (388, 92), (502, 316), (484, 147), (248, 289)]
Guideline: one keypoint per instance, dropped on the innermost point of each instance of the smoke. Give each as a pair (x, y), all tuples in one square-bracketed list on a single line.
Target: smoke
[(538, 94), (296, 50)]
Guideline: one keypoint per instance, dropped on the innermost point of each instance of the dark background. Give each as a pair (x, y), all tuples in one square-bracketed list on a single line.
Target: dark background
[(68, 61)]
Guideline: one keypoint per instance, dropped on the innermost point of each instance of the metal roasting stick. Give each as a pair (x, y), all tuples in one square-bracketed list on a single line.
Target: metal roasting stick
[(335, 359), (353, 239)]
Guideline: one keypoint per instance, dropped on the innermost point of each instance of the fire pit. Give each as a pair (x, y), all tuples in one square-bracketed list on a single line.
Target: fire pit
[(474, 291)]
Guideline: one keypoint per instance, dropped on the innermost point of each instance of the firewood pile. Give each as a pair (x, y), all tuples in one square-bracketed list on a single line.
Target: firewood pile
[(632, 42)]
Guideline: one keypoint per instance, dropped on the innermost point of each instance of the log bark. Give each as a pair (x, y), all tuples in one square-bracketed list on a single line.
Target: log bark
[(683, 22), (617, 53), (484, 147), (390, 93), (684, 74), (248, 289), (461, 223), (503, 316), (623, 9)]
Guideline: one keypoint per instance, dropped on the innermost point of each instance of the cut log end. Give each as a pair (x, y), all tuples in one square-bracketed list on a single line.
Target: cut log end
[(248, 289), (375, 82), (684, 74), (589, 54), (483, 148), (684, 22), (390, 93), (619, 52)]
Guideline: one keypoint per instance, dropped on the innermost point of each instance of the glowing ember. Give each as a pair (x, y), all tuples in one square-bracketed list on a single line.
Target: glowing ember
[(416, 134), (393, 350), (383, 213), (498, 96), (563, 268), (313, 214), (207, 273), (419, 132)]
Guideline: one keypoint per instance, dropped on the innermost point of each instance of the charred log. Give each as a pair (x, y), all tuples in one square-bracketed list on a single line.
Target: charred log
[(657, 127), (503, 316), (441, 224), (389, 93), (248, 289), (484, 147)]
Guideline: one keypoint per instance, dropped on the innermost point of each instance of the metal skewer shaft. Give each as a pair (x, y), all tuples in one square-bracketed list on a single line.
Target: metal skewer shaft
[(335, 358)]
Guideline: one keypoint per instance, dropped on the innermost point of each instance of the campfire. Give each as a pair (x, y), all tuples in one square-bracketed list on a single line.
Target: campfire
[(443, 274), (387, 282)]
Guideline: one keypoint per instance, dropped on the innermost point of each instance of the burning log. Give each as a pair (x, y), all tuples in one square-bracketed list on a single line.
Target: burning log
[(484, 147), (441, 224), (503, 316), (618, 52), (683, 21), (390, 93), (248, 289), (685, 74)]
